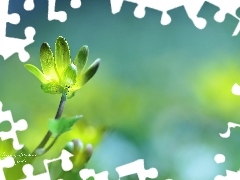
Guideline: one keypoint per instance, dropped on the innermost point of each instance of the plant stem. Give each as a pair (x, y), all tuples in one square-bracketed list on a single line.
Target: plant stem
[(61, 106), (49, 134), (50, 145)]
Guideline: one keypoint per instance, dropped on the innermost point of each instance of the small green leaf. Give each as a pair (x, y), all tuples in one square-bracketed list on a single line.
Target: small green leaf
[(81, 58), (62, 125), (36, 72), (47, 62), (70, 75), (89, 73), (52, 88), (62, 55)]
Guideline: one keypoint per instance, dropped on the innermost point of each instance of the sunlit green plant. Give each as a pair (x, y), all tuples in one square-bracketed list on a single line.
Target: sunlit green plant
[(61, 76)]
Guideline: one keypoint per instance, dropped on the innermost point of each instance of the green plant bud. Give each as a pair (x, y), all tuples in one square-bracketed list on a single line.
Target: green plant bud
[(90, 71), (78, 145), (81, 154), (69, 146), (88, 152)]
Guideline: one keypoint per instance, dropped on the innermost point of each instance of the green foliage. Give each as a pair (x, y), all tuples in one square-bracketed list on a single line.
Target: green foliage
[(62, 125), (60, 75)]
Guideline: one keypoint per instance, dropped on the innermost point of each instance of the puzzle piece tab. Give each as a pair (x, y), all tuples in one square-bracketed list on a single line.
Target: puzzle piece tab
[(87, 173), (230, 175), (137, 167), (7, 162), (9, 45), (192, 9), (66, 164), (20, 125), (60, 15), (28, 5), (75, 4)]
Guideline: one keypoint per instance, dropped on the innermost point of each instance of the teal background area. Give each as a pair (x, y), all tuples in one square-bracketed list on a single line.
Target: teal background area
[(164, 92)]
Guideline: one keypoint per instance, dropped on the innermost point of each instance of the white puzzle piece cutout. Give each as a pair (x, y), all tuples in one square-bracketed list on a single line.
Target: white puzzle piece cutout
[(10, 45), (137, 167), (66, 164), (7, 162), (60, 15), (20, 125), (87, 173), (192, 9)]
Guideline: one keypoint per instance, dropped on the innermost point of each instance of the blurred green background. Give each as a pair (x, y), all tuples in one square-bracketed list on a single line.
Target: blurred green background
[(163, 92)]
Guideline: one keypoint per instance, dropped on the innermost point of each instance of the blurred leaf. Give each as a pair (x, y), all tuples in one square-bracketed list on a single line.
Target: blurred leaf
[(36, 72), (88, 133), (62, 125), (90, 71)]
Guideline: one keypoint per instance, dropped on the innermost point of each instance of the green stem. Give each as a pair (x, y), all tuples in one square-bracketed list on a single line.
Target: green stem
[(61, 106), (50, 145), (49, 134)]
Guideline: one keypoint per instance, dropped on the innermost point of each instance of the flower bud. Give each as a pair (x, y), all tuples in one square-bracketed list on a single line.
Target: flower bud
[(69, 146), (81, 153)]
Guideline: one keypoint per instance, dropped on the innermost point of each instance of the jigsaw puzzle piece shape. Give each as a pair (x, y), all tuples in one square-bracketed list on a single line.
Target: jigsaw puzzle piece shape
[(227, 8), (227, 20), (87, 173), (9, 45), (230, 175), (53, 15), (7, 162), (60, 15), (137, 167), (116, 5), (17, 45), (75, 4), (28, 5), (28, 171), (20, 125), (13, 18), (65, 158), (66, 165), (192, 8)]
